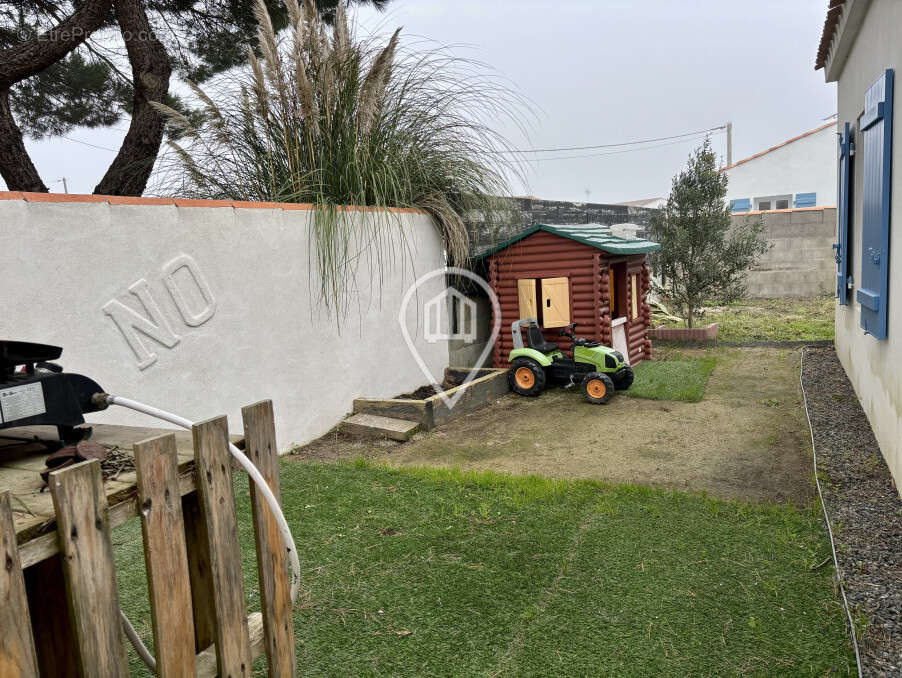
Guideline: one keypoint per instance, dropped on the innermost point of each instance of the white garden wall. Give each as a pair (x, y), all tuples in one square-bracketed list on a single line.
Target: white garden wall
[(226, 300)]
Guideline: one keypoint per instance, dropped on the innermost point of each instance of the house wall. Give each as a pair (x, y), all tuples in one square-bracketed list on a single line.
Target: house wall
[(545, 255), (251, 328), (807, 165), (800, 263), (875, 367)]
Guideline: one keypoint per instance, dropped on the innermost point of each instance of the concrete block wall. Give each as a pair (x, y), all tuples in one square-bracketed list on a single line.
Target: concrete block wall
[(800, 262), (201, 307)]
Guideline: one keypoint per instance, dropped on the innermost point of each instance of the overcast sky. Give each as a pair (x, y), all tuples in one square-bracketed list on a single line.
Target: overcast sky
[(600, 72)]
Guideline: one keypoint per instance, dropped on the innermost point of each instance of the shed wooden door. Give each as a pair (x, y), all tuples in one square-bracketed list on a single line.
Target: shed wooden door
[(526, 294), (555, 302)]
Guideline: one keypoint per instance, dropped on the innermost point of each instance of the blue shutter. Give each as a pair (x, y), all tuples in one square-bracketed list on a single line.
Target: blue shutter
[(741, 205), (846, 147), (877, 144), (806, 199)]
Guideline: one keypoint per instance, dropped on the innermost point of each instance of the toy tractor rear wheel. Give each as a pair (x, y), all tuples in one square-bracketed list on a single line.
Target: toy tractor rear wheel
[(526, 377), (598, 388), (623, 378)]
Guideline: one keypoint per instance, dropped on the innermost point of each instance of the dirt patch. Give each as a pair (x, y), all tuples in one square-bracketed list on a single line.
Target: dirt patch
[(746, 439), (430, 390)]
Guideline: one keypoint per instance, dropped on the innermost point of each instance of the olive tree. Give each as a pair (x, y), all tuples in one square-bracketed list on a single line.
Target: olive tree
[(704, 257)]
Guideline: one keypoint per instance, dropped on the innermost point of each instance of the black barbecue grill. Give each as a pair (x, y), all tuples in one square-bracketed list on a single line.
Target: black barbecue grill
[(34, 391)]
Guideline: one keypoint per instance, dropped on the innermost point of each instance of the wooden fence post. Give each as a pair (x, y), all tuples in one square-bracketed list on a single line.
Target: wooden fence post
[(160, 505), (89, 568), (17, 653), (272, 556), (214, 487)]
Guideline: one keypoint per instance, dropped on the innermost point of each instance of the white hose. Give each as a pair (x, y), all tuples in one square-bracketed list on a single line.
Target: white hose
[(817, 482), (262, 487)]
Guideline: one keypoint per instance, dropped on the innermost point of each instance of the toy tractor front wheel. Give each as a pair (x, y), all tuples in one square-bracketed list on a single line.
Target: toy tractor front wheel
[(598, 388), (526, 377), (623, 378)]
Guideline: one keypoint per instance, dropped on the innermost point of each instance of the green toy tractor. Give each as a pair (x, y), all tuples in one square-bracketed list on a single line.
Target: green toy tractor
[(598, 369)]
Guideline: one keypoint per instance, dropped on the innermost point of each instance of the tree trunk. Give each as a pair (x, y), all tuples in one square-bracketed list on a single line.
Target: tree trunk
[(22, 61), (130, 170), (689, 312), (16, 167)]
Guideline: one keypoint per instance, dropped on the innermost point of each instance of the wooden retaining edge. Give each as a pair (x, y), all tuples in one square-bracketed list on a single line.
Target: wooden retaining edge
[(433, 411)]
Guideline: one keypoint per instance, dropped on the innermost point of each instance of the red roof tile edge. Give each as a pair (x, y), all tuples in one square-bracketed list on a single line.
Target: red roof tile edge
[(780, 145), (184, 202), (831, 22)]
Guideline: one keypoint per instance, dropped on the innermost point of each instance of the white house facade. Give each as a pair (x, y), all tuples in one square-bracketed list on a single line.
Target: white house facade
[(860, 50), (800, 172)]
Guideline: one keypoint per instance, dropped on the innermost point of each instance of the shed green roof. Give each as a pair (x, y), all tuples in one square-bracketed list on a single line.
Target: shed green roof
[(598, 236)]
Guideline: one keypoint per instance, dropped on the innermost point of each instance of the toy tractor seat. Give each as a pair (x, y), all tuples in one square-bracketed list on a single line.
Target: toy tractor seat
[(536, 340)]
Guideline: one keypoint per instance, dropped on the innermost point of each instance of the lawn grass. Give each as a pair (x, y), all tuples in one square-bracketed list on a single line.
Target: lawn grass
[(439, 572), (772, 320), (672, 379)]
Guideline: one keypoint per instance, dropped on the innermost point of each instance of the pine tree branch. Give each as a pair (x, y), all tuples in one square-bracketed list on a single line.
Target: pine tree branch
[(29, 58)]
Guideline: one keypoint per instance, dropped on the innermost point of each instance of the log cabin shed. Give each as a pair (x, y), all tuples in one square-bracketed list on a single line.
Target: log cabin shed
[(573, 273)]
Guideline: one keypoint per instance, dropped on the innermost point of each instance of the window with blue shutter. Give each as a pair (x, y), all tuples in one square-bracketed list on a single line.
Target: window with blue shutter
[(806, 199), (876, 148), (843, 197), (741, 205)]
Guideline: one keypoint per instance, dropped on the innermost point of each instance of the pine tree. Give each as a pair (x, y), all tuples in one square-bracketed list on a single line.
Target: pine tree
[(93, 62)]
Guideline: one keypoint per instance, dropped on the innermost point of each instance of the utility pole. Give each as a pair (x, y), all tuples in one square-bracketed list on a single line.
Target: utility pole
[(729, 143), (65, 186)]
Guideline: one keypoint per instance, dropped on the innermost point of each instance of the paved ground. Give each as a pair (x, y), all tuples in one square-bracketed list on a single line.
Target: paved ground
[(747, 439)]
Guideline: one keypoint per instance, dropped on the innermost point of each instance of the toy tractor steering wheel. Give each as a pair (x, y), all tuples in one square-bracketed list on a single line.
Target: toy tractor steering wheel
[(568, 331)]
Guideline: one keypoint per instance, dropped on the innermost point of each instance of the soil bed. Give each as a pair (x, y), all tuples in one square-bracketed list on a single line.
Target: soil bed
[(864, 508), (746, 439), (430, 390)]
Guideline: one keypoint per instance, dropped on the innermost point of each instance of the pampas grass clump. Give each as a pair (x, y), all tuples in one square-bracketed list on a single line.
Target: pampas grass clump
[(320, 117)]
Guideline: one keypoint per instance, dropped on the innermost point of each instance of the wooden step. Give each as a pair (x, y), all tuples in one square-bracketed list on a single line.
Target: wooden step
[(374, 426)]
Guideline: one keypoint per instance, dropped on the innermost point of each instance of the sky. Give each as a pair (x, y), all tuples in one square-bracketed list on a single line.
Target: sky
[(597, 72)]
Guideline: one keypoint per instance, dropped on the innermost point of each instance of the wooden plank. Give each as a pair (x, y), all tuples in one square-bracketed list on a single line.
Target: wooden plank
[(272, 556), (166, 555), (214, 486), (199, 572), (51, 627), (17, 651), (89, 569)]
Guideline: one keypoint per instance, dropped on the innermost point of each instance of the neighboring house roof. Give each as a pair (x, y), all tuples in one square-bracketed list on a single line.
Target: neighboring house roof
[(834, 12), (598, 236), (785, 143)]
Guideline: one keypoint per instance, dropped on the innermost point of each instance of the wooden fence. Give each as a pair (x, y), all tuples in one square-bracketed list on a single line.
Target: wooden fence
[(193, 558)]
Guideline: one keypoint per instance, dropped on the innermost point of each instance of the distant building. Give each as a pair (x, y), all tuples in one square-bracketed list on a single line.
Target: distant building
[(861, 45), (800, 172)]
